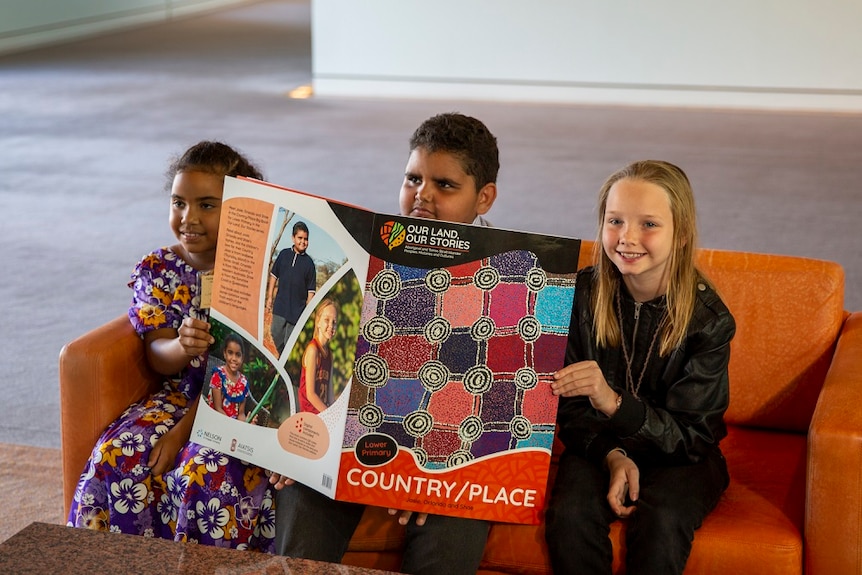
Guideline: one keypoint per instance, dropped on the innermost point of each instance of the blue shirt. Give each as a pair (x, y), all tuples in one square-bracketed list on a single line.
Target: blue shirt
[(296, 277)]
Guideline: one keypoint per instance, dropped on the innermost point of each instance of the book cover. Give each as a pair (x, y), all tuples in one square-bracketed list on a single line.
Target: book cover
[(437, 395)]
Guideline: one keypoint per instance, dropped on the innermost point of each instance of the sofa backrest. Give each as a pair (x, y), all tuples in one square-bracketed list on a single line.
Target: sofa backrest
[(788, 311)]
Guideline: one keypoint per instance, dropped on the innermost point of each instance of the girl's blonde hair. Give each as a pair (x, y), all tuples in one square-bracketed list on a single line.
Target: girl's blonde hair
[(324, 303), (683, 275)]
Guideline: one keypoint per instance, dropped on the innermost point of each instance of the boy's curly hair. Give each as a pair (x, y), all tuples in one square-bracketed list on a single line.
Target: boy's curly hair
[(465, 137)]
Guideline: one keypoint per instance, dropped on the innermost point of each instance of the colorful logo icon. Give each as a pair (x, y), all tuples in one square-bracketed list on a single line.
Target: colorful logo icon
[(393, 233)]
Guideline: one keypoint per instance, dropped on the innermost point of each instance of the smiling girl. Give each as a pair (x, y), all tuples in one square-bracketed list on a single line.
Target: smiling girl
[(317, 360), (228, 385), (645, 387), (144, 476)]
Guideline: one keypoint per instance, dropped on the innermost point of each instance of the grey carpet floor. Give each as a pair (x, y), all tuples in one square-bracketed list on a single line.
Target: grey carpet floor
[(87, 129)]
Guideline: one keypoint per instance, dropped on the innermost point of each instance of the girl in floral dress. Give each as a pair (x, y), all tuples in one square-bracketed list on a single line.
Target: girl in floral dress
[(228, 385), (144, 476)]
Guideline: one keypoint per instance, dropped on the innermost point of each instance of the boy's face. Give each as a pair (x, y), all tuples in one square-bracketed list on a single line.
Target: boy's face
[(300, 241), (437, 187)]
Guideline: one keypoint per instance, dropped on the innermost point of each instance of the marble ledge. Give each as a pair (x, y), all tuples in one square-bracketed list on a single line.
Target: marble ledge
[(43, 548)]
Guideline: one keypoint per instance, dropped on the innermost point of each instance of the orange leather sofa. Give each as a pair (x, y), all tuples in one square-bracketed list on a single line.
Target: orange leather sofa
[(794, 446)]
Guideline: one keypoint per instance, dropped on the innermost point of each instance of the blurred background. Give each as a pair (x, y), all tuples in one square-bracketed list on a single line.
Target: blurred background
[(88, 127)]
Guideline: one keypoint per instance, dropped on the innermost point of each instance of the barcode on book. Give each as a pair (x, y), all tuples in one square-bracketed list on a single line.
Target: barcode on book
[(327, 481)]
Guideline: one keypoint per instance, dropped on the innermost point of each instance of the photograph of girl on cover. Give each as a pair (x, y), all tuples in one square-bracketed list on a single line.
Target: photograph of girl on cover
[(314, 380), (228, 387), (321, 360), (237, 377)]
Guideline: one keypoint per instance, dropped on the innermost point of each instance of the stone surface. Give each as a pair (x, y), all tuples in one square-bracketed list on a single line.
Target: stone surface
[(42, 548)]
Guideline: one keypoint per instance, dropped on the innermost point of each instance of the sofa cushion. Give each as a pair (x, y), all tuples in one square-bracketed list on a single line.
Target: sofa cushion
[(756, 528), (378, 531), (788, 313), (377, 543)]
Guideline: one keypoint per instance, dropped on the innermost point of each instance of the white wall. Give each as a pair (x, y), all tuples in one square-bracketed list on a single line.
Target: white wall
[(731, 53), (28, 24)]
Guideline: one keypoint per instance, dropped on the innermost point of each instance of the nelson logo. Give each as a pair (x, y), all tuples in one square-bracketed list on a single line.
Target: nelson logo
[(393, 234), (209, 435)]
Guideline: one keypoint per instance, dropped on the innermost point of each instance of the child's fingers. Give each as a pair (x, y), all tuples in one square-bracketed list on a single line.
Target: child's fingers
[(158, 461), (280, 481), (196, 324), (195, 329), (617, 494), (403, 516), (582, 378)]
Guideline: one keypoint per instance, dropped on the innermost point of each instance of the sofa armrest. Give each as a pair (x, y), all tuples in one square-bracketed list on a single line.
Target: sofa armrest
[(833, 503), (101, 374)]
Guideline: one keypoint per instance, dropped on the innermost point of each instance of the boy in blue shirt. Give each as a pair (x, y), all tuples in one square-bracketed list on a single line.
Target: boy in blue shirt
[(292, 283)]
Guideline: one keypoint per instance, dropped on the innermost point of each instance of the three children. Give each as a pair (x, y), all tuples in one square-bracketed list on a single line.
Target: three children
[(643, 393)]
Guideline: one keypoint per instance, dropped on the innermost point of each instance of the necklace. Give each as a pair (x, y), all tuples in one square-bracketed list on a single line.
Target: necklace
[(630, 384)]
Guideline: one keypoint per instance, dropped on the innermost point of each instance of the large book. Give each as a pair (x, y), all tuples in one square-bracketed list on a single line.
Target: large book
[(435, 378)]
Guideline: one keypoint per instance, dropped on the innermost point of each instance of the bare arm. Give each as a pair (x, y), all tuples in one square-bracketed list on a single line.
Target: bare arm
[(271, 285), (240, 411), (168, 352)]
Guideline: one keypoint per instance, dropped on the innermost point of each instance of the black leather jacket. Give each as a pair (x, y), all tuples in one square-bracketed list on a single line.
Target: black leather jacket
[(678, 416)]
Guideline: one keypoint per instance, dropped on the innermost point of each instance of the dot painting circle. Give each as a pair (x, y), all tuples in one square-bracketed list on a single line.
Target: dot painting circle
[(478, 379), (526, 378), (536, 279), (470, 429), (520, 427), (483, 328), (458, 457), (486, 278), (437, 330), (418, 423), (421, 456), (371, 370), (370, 415), (438, 280), (378, 329), (529, 328), (386, 284), (434, 375)]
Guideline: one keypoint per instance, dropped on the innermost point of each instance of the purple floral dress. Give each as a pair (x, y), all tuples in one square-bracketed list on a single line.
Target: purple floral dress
[(208, 497)]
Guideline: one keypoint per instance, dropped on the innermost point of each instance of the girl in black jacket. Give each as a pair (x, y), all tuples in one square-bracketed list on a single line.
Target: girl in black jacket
[(645, 386)]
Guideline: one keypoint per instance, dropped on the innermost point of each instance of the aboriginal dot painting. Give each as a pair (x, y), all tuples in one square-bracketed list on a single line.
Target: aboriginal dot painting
[(454, 363)]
